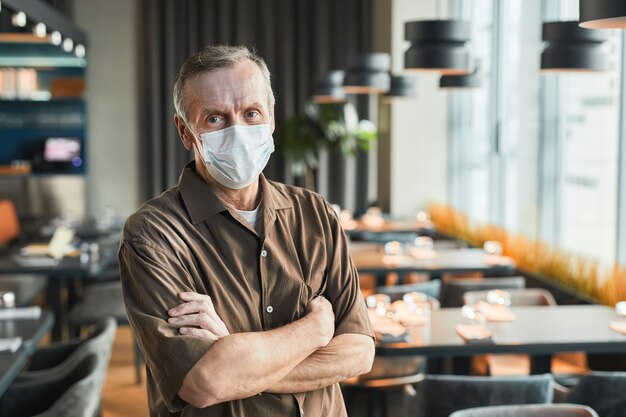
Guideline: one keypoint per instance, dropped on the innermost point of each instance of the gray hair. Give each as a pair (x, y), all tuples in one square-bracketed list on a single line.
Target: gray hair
[(210, 59)]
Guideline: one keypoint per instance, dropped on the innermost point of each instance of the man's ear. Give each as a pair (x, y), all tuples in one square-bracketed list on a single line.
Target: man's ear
[(272, 123), (186, 136)]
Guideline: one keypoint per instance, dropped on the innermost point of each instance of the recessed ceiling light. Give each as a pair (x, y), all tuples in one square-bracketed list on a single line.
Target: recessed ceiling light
[(19, 19), (56, 38), (39, 30), (79, 51), (68, 45)]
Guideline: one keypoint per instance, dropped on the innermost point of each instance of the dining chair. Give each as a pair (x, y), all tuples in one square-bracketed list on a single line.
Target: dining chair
[(9, 222), (453, 290), (441, 395), (519, 297), (605, 392), (55, 356), (74, 390), (101, 300), (528, 410), (431, 288)]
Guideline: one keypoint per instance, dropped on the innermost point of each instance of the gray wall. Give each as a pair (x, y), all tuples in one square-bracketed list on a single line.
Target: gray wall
[(112, 97)]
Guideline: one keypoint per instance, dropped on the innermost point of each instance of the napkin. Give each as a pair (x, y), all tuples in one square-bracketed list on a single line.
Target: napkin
[(397, 260), (20, 313), (473, 332), (495, 260), (618, 326), (422, 253), (10, 344), (388, 331), (494, 312)]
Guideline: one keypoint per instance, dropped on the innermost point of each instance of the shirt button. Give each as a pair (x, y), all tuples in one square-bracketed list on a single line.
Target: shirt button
[(269, 309), (264, 253)]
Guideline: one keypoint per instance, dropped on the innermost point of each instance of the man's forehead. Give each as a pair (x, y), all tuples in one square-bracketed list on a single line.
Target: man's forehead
[(239, 82)]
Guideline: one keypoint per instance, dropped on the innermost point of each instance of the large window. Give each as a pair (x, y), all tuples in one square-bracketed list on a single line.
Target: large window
[(587, 138), (470, 131), (537, 153)]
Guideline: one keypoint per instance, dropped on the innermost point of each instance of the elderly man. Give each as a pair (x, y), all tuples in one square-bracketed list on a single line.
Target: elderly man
[(240, 291)]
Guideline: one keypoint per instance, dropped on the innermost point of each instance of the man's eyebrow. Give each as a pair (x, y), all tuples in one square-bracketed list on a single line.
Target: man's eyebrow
[(211, 110)]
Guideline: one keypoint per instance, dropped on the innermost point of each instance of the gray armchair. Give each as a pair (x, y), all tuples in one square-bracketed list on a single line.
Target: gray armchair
[(605, 392), (441, 395), (52, 358), (533, 410), (452, 291), (73, 390), (519, 297)]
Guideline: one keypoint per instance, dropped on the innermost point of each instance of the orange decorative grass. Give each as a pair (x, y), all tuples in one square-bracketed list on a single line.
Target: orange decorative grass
[(583, 274)]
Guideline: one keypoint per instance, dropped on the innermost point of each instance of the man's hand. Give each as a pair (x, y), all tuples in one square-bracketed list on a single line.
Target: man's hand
[(321, 310), (197, 317)]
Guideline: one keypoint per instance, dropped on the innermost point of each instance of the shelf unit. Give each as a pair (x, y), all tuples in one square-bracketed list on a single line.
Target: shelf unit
[(41, 90)]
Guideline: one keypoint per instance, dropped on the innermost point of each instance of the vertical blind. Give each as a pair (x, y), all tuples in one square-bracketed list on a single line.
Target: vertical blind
[(300, 41)]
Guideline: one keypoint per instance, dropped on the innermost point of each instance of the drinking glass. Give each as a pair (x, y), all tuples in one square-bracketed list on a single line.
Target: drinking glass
[(380, 303), (422, 216), (493, 247), (499, 297), (472, 313), (620, 308), (424, 242), (393, 248), (345, 215)]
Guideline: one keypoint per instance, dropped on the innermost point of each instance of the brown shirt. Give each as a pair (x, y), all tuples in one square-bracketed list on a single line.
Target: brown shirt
[(187, 239)]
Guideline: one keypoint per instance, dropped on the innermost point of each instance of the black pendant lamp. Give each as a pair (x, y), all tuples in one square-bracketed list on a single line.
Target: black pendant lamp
[(572, 48), (452, 82), (369, 74), (401, 86), (438, 46), (330, 88), (603, 14)]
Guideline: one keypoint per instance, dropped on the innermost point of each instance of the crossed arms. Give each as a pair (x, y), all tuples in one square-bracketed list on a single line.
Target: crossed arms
[(298, 357)]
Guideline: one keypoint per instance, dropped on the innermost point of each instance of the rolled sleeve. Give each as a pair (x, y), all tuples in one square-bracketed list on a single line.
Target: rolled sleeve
[(342, 284), (151, 281)]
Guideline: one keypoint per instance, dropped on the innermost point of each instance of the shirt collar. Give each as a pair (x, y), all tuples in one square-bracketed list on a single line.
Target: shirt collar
[(202, 202)]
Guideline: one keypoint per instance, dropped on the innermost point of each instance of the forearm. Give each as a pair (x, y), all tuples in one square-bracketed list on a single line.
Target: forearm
[(242, 365), (347, 355)]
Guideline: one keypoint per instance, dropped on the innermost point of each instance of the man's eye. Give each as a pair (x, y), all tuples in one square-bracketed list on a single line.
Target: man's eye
[(213, 119), (252, 114)]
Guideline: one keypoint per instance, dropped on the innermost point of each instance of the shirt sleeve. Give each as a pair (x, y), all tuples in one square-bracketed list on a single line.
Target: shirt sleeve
[(151, 282), (342, 284)]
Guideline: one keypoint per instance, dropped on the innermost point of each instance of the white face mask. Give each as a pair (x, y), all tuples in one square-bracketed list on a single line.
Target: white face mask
[(236, 155)]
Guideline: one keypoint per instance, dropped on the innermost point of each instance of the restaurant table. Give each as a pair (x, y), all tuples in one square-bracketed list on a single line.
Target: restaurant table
[(370, 258), (61, 275), (538, 331), (31, 331)]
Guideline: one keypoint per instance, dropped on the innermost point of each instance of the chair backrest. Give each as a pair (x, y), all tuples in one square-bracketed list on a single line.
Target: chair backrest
[(519, 297), (9, 223), (59, 355), (74, 391), (453, 290), (441, 395), (431, 288), (532, 410), (605, 392)]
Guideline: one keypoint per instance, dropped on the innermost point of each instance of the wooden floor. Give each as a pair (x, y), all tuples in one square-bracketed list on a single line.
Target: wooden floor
[(122, 396)]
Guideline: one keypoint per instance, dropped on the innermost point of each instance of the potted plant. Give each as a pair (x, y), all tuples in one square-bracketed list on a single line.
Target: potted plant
[(335, 127)]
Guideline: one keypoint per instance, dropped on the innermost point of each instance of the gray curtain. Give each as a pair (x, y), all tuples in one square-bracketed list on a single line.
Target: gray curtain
[(300, 41)]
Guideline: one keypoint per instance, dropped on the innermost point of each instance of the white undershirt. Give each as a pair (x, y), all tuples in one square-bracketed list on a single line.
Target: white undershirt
[(250, 216)]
